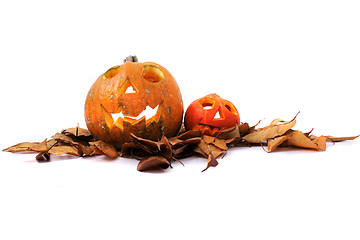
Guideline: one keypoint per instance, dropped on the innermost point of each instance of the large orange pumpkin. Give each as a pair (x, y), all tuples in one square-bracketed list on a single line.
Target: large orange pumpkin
[(139, 98)]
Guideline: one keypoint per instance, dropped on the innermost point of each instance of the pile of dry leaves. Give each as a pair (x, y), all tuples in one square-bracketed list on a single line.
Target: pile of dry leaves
[(159, 154)]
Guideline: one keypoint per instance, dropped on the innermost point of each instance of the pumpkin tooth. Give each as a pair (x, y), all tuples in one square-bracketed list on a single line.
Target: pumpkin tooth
[(109, 119), (147, 113)]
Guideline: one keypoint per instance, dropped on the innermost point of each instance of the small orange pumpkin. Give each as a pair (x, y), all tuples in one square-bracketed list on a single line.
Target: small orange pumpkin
[(211, 114), (139, 98)]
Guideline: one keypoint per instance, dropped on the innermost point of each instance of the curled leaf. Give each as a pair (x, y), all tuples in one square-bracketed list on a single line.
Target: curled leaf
[(165, 148), (230, 135), (299, 139), (275, 142), (185, 136), (43, 157), (212, 162), (104, 148), (271, 131), (76, 132), (206, 149), (245, 129), (220, 143), (152, 145), (152, 163), (336, 139)]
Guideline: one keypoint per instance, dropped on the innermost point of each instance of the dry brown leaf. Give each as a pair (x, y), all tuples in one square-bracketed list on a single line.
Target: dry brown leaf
[(43, 157), (165, 148), (190, 141), (41, 147), (127, 149), (245, 129), (230, 135), (86, 150), (179, 151), (336, 139), (185, 136), (321, 142), (275, 142), (184, 151), (183, 145), (340, 139), (105, 148), (276, 121), (212, 162), (299, 139), (158, 154), (220, 143), (65, 139), (206, 149), (76, 132), (141, 147), (150, 144), (21, 147), (60, 150), (96, 151), (153, 163), (271, 131)]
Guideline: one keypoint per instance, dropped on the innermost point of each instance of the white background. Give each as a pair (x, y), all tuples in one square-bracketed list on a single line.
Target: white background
[(270, 58)]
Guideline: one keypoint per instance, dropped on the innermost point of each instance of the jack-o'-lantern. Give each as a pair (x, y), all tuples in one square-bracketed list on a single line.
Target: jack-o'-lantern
[(139, 98), (211, 114)]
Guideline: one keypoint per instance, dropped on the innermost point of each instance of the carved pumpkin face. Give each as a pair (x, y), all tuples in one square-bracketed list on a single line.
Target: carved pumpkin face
[(211, 114), (139, 98)]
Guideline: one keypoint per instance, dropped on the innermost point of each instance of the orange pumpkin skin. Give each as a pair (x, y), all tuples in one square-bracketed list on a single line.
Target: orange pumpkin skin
[(211, 114), (115, 103)]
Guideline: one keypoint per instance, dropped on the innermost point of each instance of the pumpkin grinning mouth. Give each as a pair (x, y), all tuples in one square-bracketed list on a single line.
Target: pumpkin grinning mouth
[(147, 113)]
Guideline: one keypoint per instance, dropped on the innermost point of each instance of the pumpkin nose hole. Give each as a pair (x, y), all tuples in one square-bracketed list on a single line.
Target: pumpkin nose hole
[(217, 115), (152, 74), (130, 89)]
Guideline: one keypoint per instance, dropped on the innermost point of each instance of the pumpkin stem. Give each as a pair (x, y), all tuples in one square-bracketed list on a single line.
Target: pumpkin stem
[(131, 59)]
